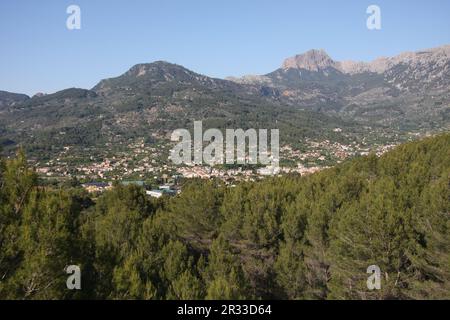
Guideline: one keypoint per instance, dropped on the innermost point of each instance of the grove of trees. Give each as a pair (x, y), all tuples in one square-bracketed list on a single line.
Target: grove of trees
[(287, 237)]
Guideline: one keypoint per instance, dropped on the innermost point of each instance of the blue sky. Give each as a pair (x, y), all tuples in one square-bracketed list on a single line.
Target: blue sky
[(218, 38)]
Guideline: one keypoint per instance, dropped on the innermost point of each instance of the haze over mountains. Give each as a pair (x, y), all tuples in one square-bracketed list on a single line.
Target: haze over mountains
[(308, 96)]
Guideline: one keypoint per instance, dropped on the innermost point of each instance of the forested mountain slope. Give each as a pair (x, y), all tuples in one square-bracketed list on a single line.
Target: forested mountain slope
[(307, 97), (151, 100)]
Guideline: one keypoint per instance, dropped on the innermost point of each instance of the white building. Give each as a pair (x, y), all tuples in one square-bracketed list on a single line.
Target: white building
[(155, 193)]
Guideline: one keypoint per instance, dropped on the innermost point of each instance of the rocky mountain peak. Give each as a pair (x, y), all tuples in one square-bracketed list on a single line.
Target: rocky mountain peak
[(145, 74), (312, 60), (157, 67)]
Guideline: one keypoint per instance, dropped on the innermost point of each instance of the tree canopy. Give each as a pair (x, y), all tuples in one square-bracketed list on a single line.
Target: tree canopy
[(287, 237)]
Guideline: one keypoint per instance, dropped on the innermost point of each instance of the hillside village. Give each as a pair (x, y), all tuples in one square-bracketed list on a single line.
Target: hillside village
[(147, 165)]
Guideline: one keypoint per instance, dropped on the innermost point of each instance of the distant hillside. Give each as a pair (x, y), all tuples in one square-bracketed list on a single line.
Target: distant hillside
[(308, 97), (8, 99), (411, 90), (152, 100)]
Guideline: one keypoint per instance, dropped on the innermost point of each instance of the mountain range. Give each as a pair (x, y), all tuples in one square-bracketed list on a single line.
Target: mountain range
[(408, 91), (307, 97)]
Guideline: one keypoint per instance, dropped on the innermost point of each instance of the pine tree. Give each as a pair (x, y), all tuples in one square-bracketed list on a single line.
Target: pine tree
[(46, 243), (223, 275), (17, 182), (187, 287)]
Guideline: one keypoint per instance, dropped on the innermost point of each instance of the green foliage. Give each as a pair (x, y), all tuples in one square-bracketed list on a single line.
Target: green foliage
[(39, 235), (197, 211), (281, 238)]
